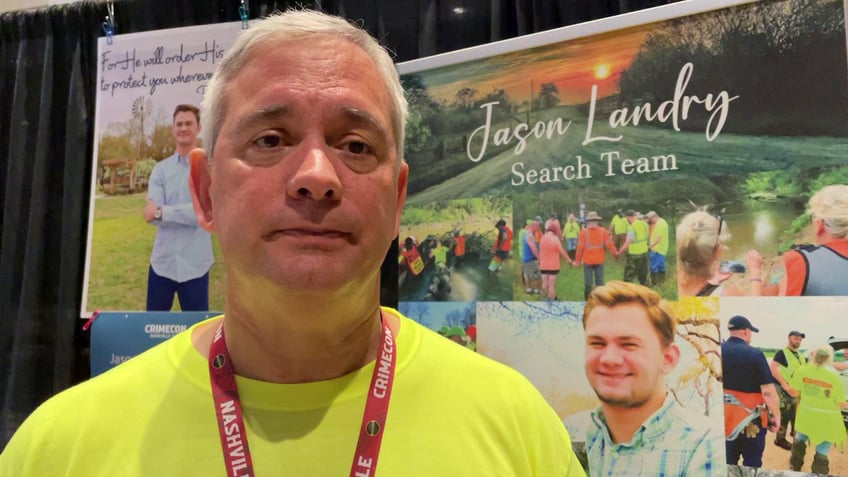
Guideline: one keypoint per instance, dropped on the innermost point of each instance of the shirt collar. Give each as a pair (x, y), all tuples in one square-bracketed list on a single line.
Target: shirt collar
[(656, 424)]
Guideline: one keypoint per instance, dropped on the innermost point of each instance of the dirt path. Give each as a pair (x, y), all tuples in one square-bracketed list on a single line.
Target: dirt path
[(776, 458)]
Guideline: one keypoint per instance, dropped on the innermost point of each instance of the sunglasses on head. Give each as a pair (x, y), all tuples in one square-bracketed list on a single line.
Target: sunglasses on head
[(718, 231)]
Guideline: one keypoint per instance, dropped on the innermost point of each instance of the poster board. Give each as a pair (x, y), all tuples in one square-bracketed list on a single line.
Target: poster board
[(737, 109), (141, 78), (118, 336)]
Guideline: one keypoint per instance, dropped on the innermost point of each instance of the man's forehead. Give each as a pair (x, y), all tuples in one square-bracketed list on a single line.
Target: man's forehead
[(183, 116), (277, 111), (622, 319), (272, 56)]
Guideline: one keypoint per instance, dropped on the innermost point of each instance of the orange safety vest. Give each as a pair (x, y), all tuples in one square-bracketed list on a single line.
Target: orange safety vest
[(459, 248), (741, 408), (506, 243), (593, 241), (414, 260)]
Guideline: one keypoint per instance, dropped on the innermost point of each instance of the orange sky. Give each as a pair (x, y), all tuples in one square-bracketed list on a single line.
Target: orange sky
[(574, 66)]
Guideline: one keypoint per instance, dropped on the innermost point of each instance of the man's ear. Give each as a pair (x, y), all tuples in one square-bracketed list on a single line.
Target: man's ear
[(403, 177), (199, 182), (671, 356)]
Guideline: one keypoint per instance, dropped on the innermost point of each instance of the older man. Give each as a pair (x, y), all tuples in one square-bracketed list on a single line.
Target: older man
[(305, 373), (820, 270), (750, 400), (592, 245), (657, 247), (639, 428)]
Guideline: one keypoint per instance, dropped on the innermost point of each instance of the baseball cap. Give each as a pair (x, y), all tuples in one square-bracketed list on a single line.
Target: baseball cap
[(650, 214), (629, 213), (797, 333), (739, 322)]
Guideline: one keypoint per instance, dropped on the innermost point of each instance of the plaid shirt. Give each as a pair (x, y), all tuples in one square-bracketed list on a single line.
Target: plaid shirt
[(672, 442)]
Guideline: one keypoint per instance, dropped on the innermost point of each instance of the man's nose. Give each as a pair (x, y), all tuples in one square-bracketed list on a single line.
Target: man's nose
[(315, 176), (610, 355)]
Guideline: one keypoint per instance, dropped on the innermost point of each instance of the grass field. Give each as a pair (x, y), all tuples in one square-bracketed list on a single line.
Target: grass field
[(120, 257), (569, 283)]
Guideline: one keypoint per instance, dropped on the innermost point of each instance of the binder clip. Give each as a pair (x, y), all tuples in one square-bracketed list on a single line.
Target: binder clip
[(244, 14), (109, 24)]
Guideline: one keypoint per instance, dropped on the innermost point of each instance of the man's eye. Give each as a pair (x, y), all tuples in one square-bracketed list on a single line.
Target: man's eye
[(357, 147), (269, 141)]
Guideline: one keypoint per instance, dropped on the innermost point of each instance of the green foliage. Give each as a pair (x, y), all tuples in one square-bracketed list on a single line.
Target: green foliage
[(417, 215), (115, 147), (807, 182), (456, 210), (161, 142), (504, 108), (417, 132), (464, 99), (830, 177), (143, 170), (777, 183), (548, 96), (728, 48)]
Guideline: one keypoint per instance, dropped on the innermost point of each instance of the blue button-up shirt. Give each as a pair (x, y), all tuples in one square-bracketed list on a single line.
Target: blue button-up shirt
[(182, 250), (671, 442)]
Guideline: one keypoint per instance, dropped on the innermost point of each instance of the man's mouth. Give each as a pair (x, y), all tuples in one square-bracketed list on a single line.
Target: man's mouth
[(609, 375), (308, 234)]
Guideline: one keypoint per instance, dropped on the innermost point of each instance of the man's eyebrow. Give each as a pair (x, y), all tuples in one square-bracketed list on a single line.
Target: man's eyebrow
[(365, 118), (275, 111), (615, 338)]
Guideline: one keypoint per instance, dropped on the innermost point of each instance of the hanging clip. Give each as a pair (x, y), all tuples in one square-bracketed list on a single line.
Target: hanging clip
[(244, 14), (91, 319), (109, 24)]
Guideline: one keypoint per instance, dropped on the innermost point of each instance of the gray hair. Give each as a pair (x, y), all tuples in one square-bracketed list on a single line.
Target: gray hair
[(831, 205), (290, 26), (698, 239)]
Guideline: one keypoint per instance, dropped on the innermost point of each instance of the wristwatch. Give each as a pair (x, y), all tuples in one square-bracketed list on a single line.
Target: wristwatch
[(158, 214)]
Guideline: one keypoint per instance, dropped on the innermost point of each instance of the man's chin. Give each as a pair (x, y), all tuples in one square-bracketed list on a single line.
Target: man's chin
[(626, 402), (322, 280)]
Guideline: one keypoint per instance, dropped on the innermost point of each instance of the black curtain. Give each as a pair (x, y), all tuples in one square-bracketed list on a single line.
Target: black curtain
[(47, 106)]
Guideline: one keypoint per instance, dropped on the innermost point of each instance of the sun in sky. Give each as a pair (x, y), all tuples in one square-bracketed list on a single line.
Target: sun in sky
[(602, 71)]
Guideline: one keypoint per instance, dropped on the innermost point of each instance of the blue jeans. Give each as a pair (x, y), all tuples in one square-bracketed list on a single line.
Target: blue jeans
[(656, 262), (823, 447), (590, 272), (750, 448), (571, 244)]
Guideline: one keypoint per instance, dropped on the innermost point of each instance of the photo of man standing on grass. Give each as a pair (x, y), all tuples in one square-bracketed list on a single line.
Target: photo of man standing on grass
[(182, 252)]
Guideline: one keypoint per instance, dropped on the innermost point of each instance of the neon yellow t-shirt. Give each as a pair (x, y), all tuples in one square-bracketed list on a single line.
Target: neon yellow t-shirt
[(818, 415), (618, 225), (452, 413), (660, 230)]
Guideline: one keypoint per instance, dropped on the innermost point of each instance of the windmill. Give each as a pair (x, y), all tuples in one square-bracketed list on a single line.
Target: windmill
[(141, 109)]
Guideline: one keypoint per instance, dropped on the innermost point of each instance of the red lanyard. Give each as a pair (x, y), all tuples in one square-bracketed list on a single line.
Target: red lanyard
[(231, 419)]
